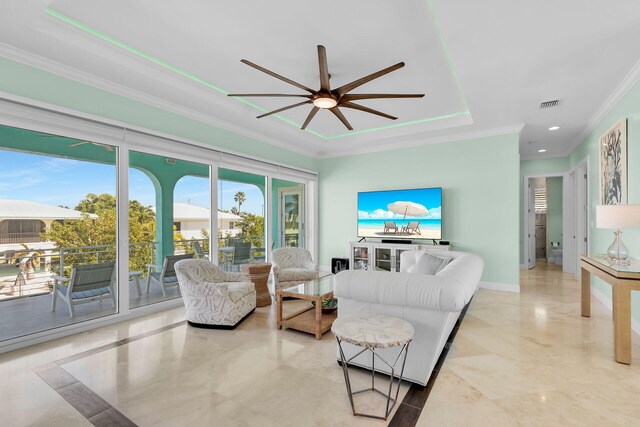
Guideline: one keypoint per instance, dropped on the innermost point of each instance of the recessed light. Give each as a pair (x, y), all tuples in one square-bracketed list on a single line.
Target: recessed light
[(554, 128), (542, 150)]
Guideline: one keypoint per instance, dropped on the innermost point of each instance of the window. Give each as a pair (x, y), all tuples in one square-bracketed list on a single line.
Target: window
[(168, 218), (57, 214), (540, 195), (72, 184)]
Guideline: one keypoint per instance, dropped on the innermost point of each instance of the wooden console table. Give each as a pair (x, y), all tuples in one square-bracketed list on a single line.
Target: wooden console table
[(623, 279)]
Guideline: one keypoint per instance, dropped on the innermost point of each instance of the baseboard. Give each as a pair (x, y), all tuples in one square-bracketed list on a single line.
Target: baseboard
[(606, 301), (497, 286)]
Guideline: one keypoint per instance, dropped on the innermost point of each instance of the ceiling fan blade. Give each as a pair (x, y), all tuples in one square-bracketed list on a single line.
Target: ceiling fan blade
[(343, 119), (356, 96), (267, 94), (78, 143), (366, 110), (324, 69), (284, 108), (354, 84), (313, 112), (277, 76)]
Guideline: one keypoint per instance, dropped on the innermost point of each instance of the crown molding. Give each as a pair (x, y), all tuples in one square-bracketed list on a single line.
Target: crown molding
[(628, 82), (461, 136), (536, 156), (56, 68), (53, 67)]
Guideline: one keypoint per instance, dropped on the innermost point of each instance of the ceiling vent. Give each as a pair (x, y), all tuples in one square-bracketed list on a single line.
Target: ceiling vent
[(549, 104)]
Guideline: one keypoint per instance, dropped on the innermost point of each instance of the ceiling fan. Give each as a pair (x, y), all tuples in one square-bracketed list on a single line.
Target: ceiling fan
[(327, 98), (97, 144)]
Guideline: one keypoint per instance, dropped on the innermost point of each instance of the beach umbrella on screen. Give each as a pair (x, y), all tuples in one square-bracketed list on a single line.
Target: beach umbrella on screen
[(407, 209)]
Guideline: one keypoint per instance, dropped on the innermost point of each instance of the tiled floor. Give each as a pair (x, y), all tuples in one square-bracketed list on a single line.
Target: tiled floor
[(518, 359), (532, 360)]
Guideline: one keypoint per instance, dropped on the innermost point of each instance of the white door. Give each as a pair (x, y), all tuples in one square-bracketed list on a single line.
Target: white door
[(569, 223), (291, 218), (584, 241), (531, 237), (581, 216)]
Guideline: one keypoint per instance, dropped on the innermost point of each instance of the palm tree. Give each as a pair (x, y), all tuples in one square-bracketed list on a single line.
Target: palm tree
[(240, 198)]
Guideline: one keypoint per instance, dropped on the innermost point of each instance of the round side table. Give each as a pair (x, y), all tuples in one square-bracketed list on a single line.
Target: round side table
[(259, 274), (374, 331)]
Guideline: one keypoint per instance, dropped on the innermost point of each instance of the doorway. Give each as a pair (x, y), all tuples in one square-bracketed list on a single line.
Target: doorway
[(546, 230)]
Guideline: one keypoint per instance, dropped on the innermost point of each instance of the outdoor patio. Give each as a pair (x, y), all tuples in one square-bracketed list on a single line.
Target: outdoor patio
[(27, 315), (25, 297)]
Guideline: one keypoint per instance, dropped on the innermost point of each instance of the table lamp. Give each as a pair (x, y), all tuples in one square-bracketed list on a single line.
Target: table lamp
[(618, 217)]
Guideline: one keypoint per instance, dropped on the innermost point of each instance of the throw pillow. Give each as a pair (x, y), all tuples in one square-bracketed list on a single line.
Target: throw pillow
[(429, 264)]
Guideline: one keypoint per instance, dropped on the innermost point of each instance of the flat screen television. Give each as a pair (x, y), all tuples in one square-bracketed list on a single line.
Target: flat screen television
[(401, 214)]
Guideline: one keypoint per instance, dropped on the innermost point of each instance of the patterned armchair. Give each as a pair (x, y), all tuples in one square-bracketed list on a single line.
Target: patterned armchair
[(292, 266), (214, 298)]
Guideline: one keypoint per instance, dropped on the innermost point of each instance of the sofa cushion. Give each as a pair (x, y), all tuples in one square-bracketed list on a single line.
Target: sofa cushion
[(238, 290), (427, 263)]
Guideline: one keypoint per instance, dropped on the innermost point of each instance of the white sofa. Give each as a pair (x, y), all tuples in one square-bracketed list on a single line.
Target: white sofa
[(431, 303), (214, 298)]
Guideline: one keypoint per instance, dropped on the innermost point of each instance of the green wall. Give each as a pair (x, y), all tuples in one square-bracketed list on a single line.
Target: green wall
[(629, 107), (554, 212), (480, 193), (553, 166)]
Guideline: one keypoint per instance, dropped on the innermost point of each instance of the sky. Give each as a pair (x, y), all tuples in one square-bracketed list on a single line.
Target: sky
[(373, 205), (58, 181)]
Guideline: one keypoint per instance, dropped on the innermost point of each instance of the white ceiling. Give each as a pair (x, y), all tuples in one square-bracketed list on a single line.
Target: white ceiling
[(485, 66)]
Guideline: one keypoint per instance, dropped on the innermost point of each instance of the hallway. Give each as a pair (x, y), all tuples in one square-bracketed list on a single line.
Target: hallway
[(531, 359)]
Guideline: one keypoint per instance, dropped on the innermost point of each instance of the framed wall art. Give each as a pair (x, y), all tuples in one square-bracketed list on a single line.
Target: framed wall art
[(613, 165)]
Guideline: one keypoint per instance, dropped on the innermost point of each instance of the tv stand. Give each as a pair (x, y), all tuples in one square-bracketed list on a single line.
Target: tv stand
[(381, 256)]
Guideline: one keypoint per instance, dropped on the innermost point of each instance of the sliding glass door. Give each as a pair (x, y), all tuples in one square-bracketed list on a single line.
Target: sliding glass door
[(241, 218), (97, 215), (169, 217), (58, 231)]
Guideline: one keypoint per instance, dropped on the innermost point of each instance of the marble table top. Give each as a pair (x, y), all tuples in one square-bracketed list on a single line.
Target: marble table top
[(372, 330)]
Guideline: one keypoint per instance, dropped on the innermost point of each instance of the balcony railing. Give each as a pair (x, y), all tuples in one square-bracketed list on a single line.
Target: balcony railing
[(6, 238), (28, 272)]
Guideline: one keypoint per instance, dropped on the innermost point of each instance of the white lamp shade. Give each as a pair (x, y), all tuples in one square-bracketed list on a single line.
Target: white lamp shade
[(618, 216)]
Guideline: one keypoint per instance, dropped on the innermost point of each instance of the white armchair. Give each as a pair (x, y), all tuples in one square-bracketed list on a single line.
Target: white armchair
[(214, 298), (292, 266)]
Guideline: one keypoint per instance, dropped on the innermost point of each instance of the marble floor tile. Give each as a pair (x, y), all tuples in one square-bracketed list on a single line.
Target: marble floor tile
[(526, 359)]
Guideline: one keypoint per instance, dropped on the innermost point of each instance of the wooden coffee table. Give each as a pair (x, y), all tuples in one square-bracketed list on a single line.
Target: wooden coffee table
[(310, 319)]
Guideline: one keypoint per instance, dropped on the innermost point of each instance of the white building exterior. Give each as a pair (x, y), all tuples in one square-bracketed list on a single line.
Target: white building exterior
[(22, 221), (189, 220)]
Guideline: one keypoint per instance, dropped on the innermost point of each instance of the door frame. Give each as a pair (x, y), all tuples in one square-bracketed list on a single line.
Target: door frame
[(582, 216), (282, 191), (525, 212)]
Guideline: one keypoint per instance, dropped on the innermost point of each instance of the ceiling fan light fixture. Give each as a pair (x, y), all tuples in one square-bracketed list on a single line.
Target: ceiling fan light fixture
[(325, 102)]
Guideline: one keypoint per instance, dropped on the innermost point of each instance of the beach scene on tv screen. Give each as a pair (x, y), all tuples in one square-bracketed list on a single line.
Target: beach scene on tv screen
[(410, 214)]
